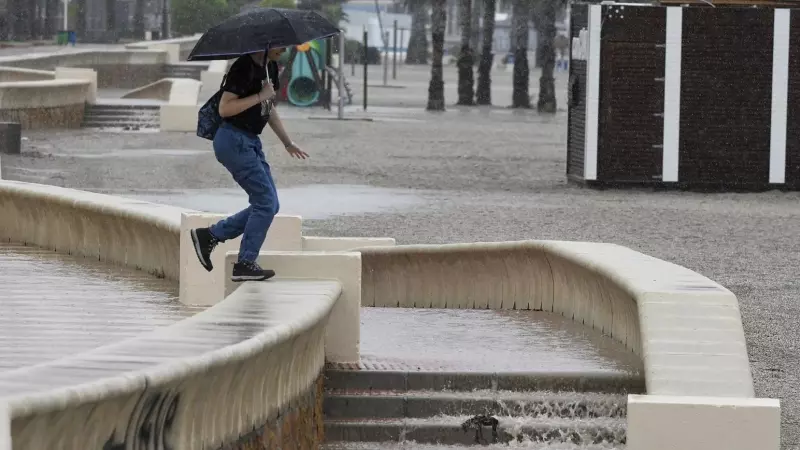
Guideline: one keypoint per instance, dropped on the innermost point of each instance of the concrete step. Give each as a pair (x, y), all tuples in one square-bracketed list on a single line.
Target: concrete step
[(419, 446), (417, 404), (184, 71), (346, 378), (123, 107), (451, 430)]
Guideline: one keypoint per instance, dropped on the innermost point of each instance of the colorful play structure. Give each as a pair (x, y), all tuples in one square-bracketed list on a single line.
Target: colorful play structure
[(307, 76)]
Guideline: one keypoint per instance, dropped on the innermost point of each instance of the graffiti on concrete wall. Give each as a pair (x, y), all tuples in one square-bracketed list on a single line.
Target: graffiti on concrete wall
[(149, 425)]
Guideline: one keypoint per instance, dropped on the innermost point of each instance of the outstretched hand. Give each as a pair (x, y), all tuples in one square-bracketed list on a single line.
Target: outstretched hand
[(296, 152)]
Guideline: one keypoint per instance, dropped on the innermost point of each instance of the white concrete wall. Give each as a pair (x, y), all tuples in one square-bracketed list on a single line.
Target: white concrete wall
[(215, 392), (211, 79), (180, 113), (73, 73), (198, 286), (44, 94), (702, 423), (342, 338), (104, 227)]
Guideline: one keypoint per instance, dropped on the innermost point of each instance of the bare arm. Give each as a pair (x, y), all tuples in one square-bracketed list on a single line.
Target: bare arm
[(277, 126), (230, 104)]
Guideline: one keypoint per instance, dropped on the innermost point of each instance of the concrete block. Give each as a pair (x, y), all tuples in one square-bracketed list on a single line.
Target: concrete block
[(343, 333), (703, 423), (340, 244), (178, 117), (199, 287), (74, 73), (210, 83), (5, 427), (184, 92)]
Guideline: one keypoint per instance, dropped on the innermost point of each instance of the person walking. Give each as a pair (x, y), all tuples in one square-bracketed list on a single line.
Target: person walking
[(246, 107)]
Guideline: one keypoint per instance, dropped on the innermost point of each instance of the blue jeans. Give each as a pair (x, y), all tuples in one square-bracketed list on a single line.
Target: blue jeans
[(241, 153)]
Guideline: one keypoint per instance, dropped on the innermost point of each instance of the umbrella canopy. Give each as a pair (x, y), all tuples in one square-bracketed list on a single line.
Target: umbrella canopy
[(260, 29)]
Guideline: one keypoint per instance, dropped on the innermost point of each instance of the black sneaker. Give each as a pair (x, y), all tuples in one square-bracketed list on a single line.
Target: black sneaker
[(250, 271), (204, 243)]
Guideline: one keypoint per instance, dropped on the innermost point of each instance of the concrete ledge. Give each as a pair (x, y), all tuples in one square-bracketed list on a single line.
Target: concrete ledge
[(121, 231), (702, 423), (44, 104), (344, 327), (72, 73), (340, 244), (215, 378), (21, 74), (686, 328), (199, 287)]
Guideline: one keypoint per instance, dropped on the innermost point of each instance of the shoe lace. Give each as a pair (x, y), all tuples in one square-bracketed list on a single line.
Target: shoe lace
[(252, 265), (212, 243)]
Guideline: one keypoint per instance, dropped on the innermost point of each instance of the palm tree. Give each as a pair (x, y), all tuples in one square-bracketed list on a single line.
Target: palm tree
[(51, 12), (484, 94), (466, 59), (547, 90), (80, 17), (417, 52), (520, 97), (138, 19), (438, 26)]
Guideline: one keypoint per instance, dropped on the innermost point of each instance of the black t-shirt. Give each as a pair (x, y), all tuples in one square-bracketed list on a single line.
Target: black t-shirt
[(246, 78)]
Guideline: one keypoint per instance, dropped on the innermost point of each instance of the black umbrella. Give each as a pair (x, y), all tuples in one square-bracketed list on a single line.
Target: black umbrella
[(260, 29)]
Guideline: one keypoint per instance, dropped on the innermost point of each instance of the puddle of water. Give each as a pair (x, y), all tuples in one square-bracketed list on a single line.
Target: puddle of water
[(56, 305), (484, 340), (311, 202), (131, 153)]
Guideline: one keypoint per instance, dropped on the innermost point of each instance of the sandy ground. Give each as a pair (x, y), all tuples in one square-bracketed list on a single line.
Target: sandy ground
[(485, 175)]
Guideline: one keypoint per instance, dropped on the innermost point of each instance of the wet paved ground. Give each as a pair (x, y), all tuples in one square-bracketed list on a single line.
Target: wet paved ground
[(485, 341), (56, 305), (495, 175)]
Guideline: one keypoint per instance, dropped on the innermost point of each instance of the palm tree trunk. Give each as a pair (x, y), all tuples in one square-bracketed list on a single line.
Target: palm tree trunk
[(466, 58), (52, 25), (111, 20), (80, 18), (520, 97), (418, 41), (547, 90), (438, 26), (138, 19), (484, 94)]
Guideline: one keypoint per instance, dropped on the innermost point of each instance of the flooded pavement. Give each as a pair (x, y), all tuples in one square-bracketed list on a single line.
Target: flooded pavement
[(55, 305), (486, 341), (310, 201)]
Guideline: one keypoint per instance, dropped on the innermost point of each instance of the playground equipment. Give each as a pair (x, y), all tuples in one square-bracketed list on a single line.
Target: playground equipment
[(307, 77)]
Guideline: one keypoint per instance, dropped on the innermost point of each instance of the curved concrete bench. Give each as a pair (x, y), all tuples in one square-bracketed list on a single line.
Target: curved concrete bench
[(205, 382), (243, 372), (115, 68), (45, 103), (686, 328), (20, 74)]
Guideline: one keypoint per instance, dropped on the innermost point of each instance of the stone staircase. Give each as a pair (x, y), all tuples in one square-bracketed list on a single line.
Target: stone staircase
[(430, 410), (131, 117), (185, 70)]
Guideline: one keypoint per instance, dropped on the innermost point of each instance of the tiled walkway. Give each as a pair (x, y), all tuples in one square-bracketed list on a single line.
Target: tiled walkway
[(54, 305)]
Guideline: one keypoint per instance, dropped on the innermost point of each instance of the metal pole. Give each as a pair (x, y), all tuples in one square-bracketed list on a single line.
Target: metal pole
[(386, 59), (340, 81), (394, 57), (66, 15), (366, 42)]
